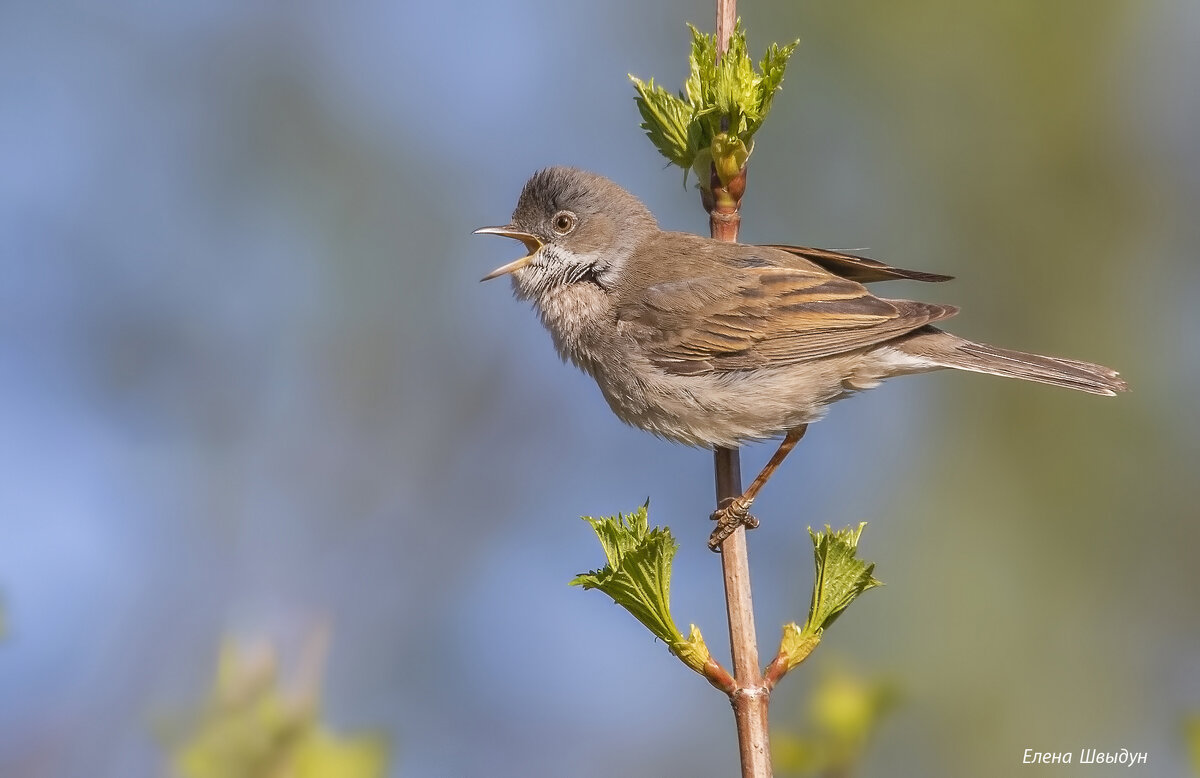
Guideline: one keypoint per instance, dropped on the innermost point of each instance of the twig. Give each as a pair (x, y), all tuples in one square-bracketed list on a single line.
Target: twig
[(750, 695), (726, 20)]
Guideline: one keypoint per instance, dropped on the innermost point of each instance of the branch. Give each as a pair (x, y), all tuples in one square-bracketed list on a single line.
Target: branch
[(751, 698), (708, 128)]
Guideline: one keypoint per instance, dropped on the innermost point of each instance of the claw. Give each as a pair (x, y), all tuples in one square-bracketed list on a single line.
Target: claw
[(733, 514)]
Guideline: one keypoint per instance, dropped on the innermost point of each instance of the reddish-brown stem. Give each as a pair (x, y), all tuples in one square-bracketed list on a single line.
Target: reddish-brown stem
[(718, 676), (726, 21), (724, 204), (749, 695), (775, 671)]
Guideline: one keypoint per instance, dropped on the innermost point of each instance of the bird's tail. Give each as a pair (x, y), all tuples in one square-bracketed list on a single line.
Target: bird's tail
[(945, 350)]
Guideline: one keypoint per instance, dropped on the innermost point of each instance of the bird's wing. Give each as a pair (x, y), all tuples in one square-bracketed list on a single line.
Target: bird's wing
[(755, 317), (855, 268)]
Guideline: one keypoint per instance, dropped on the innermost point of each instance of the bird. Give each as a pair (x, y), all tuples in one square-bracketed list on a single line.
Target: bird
[(716, 344)]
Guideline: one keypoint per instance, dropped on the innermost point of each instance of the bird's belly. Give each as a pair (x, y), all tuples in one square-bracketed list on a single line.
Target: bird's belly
[(727, 409)]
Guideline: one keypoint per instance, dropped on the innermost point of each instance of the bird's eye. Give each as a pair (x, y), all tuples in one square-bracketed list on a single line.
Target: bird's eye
[(564, 222)]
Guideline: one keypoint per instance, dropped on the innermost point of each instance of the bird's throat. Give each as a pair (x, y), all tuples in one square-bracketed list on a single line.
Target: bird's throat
[(573, 314)]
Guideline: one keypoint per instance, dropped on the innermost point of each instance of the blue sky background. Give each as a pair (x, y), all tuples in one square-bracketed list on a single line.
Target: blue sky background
[(249, 382)]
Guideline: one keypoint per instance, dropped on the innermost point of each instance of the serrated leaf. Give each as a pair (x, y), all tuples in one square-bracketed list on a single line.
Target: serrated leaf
[(702, 63), (735, 91), (638, 573), (772, 66), (638, 578), (667, 121), (840, 575)]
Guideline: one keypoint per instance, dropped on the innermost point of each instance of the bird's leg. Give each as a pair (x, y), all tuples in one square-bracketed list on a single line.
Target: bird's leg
[(735, 511)]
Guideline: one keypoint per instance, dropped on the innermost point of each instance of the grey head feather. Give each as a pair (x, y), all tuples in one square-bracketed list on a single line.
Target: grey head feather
[(611, 224)]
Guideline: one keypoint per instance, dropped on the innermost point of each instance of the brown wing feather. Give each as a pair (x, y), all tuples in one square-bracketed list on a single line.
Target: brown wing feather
[(855, 268), (748, 318)]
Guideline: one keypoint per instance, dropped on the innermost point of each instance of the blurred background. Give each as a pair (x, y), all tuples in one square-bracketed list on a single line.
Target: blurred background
[(251, 387)]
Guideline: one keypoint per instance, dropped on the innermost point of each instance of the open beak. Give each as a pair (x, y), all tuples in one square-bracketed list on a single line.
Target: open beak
[(531, 241)]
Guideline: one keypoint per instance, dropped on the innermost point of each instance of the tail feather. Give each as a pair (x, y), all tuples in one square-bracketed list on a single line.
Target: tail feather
[(946, 350)]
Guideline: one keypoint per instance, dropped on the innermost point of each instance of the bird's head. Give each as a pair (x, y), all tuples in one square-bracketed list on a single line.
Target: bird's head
[(578, 227)]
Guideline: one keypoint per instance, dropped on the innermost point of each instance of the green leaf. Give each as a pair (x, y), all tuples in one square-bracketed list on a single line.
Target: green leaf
[(840, 575), (773, 65), (735, 91), (703, 63), (637, 577), (667, 121)]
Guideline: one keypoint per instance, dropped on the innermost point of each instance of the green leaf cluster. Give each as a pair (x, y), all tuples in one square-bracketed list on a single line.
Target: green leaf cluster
[(638, 578), (840, 577), (249, 728), (724, 102)]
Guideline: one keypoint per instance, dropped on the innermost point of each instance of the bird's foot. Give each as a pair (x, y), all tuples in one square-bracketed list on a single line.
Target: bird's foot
[(733, 513)]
